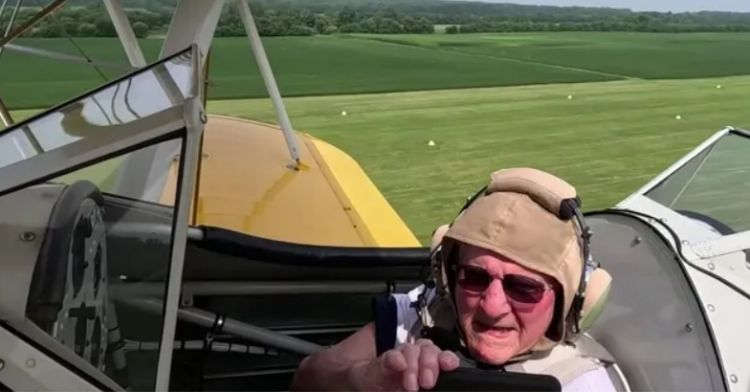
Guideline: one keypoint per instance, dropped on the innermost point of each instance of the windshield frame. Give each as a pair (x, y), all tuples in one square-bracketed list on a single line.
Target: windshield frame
[(697, 236), (193, 50), (184, 121), (717, 263)]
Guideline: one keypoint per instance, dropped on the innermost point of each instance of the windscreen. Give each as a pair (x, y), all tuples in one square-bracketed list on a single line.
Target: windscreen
[(152, 90), (77, 246), (713, 186)]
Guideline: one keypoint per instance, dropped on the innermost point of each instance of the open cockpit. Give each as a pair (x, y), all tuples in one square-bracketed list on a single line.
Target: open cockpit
[(108, 280)]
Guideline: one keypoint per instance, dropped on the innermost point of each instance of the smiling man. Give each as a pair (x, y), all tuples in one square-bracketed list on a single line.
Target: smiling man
[(514, 286)]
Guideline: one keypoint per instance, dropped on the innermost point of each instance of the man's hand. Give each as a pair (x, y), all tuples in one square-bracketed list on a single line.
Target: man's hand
[(410, 367)]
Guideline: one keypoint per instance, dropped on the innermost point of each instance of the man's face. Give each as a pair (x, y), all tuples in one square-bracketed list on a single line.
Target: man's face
[(503, 308)]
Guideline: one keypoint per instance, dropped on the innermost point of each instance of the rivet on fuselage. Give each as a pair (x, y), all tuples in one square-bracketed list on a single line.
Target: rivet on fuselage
[(733, 378)]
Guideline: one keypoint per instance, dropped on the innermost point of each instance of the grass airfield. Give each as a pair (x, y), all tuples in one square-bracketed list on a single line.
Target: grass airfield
[(608, 140), (487, 101)]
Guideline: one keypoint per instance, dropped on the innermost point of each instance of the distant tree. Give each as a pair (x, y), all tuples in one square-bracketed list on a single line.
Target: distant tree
[(269, 26), (86, 30), (388, 13), (299, 30), (283, 17), (350, 28), (331, 30), (50, 30), (67, 23), (388, 26), (104, 27), (346, 16), (409, 25), (322, 22), (426, 27), (140, 29), (369, 25), (417, 25), (257, 8)]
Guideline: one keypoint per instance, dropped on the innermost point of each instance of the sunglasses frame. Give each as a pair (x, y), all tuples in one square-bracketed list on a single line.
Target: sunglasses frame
[(545, 287)]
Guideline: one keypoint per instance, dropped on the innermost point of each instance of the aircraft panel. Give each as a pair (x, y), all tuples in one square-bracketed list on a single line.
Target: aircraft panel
[(653, 323)]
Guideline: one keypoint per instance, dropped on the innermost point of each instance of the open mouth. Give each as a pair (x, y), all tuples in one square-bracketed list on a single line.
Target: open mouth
[(492, 330)]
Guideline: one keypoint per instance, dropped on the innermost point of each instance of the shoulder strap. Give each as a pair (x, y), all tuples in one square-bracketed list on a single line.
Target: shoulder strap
[(566, 362), (385, 311), (588, 347), (563, 362)]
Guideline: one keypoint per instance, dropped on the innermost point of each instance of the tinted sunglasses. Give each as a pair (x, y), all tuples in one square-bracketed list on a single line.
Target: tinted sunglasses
[(518, 288)]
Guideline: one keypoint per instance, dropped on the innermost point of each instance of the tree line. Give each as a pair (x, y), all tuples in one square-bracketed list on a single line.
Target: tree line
[(311, 17)]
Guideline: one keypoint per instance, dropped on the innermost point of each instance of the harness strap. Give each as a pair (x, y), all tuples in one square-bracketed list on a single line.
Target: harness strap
[(562, 362), (567, 371), (588, 347), (385, 311)]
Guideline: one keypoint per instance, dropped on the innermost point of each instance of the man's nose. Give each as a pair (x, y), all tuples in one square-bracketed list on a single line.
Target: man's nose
[(494, 302)]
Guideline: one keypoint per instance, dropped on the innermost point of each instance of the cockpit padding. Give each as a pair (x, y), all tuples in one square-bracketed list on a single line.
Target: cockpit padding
[(241, 245)]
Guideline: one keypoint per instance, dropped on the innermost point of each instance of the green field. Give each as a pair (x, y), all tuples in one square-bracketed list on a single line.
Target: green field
[(326, 65), (609, 140), (618, 130), (623, 55)]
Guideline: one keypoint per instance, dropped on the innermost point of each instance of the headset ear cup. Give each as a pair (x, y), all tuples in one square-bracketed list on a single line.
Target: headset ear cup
[(597, 292), (437, 237)]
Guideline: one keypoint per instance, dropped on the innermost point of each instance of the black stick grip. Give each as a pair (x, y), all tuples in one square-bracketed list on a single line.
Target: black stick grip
[(472, 379)]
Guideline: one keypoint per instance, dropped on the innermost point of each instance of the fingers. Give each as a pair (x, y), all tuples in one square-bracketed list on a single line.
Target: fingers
[(428, 365), (448, 361), (410, 376), (417, 365), (394, 361)]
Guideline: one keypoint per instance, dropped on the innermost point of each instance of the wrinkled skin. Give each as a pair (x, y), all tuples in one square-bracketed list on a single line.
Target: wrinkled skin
[(409, 367), (496, 327)]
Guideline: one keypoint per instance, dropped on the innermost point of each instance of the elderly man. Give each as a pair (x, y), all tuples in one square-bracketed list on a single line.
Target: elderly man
[(514, 287)]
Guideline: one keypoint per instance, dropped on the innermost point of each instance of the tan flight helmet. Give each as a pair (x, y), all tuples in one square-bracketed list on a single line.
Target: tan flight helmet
[(533, 218)]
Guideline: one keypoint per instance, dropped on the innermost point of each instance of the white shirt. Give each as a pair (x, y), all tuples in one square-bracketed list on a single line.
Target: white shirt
[(592, 381)]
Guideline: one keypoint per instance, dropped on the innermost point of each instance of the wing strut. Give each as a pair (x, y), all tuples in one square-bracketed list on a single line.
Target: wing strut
[(11, 35), (5, 116), (265, 70), (12, 20), (31, 22)]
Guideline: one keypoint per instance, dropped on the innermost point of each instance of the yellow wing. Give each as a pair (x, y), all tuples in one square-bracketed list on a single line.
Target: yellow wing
[(247, 184)]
